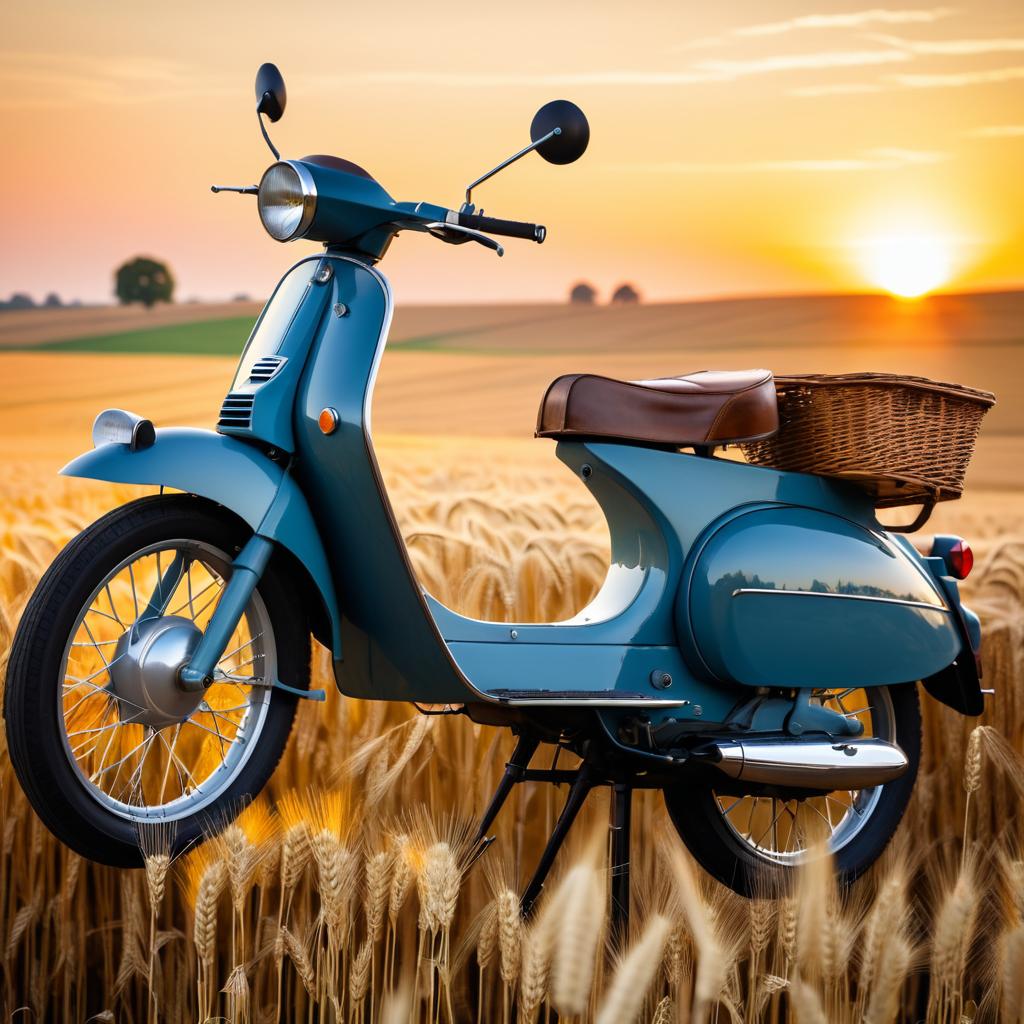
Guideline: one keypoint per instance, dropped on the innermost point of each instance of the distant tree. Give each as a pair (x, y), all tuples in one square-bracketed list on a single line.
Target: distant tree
[(625, 295), (52, 301), (19, 300), (582, 294), (241, 297), (143, 280)]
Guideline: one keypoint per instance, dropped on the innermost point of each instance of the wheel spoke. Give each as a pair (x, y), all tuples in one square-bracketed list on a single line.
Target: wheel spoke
[(113, 608), (750, 819), (771, 825), (191, 721), (135, 595), (102, 689), (92, 675), (219, 713), (118, 763), (817, 811), (728, 810), (241, 647), (134, 783), (96, 646), (179, 765), (101, 612)]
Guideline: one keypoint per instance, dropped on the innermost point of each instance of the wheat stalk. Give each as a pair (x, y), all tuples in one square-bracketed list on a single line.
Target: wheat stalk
[(622, 1002), (579, 937), (884, 997), (953, 931), (806, 1003)]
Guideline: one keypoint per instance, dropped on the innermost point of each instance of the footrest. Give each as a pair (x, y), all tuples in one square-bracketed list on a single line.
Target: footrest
[(585, 698)]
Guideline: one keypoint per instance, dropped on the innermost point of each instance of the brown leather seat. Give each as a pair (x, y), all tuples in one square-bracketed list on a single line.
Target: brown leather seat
[(709, 407)]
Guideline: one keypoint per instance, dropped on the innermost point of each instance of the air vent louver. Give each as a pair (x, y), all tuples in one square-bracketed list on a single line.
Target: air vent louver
[(265, 368), (236, 411)]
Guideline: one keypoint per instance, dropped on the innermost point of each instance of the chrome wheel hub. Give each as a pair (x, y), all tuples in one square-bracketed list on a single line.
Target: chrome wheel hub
[(144, 672)]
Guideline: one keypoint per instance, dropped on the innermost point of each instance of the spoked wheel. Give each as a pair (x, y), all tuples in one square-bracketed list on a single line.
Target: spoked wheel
[(747, 840), (102, 735)]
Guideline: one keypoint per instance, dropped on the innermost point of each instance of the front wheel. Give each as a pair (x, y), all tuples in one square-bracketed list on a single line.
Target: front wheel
[(752, 842), (104, 740)]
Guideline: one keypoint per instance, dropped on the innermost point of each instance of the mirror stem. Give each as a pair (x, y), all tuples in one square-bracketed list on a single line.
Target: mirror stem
[(263, 128), (511, 160)]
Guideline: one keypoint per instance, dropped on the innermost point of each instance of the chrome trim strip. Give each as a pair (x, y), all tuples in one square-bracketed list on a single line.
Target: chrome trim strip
[(847, 597), (603, 702), (309, 197)]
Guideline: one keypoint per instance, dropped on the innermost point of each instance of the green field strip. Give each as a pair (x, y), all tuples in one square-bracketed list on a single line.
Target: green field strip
[(206, 337)]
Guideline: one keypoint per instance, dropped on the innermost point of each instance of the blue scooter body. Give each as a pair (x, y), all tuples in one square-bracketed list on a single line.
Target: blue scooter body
[(724, 576)]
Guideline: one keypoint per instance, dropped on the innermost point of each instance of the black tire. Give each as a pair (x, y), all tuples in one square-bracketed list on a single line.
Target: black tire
[(34, 733), (698, 819)]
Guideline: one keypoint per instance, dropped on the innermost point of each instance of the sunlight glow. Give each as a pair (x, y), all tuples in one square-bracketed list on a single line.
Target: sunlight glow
[(908, 265)]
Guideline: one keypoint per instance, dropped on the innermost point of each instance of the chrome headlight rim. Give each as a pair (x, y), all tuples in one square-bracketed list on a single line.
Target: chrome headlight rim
[(307, 187)]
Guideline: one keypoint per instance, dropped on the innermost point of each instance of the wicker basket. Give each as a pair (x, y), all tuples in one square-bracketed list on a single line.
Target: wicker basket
[(906, 440)]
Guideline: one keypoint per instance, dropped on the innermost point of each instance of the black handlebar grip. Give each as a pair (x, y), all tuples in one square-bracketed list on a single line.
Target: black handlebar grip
[(509, 228)]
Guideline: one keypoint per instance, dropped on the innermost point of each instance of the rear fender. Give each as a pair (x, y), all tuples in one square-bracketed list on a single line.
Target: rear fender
[(233, 474), (958, 685)]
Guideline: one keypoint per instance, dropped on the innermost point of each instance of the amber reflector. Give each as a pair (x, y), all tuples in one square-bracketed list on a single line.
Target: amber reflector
[(329, 420)]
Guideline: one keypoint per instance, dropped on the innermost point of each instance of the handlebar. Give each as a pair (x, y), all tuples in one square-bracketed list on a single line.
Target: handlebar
[(509, 228)]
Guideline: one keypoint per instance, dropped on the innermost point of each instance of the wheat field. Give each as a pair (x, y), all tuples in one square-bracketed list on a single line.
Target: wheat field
[(344, 894)]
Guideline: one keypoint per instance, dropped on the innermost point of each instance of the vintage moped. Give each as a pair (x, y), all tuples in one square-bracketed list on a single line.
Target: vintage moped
[(753, 653)]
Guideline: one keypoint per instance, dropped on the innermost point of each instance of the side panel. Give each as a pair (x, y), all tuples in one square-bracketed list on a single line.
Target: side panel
[(393, 650), (799, 597), (233, 474)]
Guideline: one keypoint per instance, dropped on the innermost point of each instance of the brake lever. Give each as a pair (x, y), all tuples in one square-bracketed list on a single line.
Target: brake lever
[(245, 190), (439, 230)]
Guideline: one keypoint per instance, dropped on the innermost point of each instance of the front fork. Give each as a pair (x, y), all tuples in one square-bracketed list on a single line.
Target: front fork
[(246, 572)]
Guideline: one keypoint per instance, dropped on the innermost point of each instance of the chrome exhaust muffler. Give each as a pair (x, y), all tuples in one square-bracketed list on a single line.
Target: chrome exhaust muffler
[(809, 763)]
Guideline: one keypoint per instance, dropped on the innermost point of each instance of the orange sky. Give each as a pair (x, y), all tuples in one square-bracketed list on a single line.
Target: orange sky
[(739, 147)]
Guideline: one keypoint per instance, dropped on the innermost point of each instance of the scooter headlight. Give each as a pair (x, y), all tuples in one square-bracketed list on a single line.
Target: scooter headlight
[(287, 200)]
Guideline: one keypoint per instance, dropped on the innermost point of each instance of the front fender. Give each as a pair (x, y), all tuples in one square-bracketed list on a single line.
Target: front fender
[(233, 474)]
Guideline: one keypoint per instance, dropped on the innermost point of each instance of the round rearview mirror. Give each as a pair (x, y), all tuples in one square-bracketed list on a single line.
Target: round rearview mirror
[(571, 142), (270, 92)]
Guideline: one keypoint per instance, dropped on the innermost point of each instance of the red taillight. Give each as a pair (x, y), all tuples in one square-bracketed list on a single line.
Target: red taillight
[(960, 560)]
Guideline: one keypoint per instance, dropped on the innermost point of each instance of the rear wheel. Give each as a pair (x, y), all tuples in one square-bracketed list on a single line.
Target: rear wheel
[(750, 841), (103, 738)]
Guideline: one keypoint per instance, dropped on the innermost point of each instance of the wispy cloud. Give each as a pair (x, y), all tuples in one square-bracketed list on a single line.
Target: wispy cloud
[(997, 131), (904, 80), (853, 19), (487, 79), (802, 62), (957, 79), (953, 47), (884, 159), (700, 72), (836, 89)]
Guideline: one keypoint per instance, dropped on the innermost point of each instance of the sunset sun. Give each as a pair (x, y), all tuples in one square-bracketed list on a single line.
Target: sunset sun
[(907, 265)]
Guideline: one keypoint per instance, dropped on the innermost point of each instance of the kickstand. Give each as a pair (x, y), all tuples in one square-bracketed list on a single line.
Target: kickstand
[(582, 784), (515, 769), (581, 781), (621, 828)]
